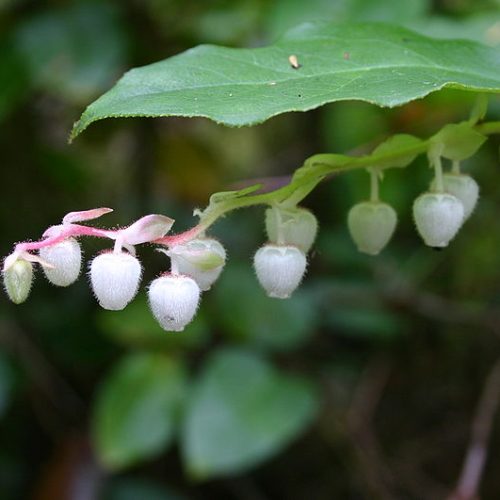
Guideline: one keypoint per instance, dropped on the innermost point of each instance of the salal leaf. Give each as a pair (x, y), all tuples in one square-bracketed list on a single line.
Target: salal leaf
[(224, 199), (457, 141), (242, 411), (378, 63), (136, 409), (397, 151)]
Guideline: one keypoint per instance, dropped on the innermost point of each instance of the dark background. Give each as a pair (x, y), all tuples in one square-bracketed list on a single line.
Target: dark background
[(401, 347)]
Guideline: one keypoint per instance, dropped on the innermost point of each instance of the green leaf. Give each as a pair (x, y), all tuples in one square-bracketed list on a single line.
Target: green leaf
[(378, 63), (457, 141), (242, 412), (136, 409), (75, 51), (248, 315), (397, 145)]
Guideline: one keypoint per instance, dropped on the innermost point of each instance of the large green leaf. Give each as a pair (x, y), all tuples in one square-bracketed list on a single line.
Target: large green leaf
[(136, 409), (241, 412), (382, 64)]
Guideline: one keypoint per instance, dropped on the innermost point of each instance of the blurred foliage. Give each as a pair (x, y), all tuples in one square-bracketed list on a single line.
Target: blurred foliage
[(258, 398)]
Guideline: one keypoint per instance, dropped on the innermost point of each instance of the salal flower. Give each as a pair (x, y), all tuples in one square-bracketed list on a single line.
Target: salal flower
[(279, 269), (115, 279), (463, 187), (65, 258), (291, 226), (17, 279), (202, 259), (371, 224), (173, 300), (438, 217)]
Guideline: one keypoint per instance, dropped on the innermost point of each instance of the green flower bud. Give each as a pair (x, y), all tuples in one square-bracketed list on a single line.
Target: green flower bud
[(17, 280), (294, 226), (202, 259), (438, 217), (371, 224)]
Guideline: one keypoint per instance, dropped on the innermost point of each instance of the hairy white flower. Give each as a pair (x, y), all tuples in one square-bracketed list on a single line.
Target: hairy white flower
[(279, 269), (66, 257), (115, 279), (371, 224), (17, 280), (438, 217), (295, 226), (173, 300), (202, 259), (463, 187)]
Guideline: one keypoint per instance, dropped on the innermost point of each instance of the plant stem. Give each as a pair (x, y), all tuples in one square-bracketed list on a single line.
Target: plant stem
[(438, 174), (374, 191)]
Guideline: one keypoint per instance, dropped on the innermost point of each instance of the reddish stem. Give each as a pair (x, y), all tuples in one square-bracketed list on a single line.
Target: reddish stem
[(69, 231)]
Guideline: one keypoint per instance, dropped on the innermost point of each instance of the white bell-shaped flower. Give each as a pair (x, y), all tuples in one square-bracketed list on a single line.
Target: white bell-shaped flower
[(463, 187), (279, 269), (66, 257), (202, 259), (371, 224), (438, 217), (115, 279), (17, 280), (295, 226), (173, 300)]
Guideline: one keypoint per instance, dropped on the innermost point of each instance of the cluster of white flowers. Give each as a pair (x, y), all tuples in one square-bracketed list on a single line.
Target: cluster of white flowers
[(195, 262), (438, 215)]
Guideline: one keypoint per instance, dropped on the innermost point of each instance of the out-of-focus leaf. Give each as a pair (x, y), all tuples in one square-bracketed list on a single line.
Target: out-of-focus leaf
[(483, 27), (75, 51), (136, 409), (284, 14), (245, 311), (371, 323), (135, 326), (14, 82), (379, 63), (6, 382), (242, 411), (128, 488)]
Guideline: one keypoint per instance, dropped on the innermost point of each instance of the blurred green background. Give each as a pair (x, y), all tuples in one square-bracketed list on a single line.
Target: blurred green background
[(363, 385)]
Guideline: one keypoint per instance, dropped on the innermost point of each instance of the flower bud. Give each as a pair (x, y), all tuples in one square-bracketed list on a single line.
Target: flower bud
[(17, 280), (371, 224), (202, 259), (173, 300), (279, 269), (66, 257), (115, 279), (438, 217), (296, 226), (463, 187)]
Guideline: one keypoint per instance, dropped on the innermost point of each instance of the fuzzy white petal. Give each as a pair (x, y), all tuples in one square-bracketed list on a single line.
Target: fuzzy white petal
[(66, 259), (438, 217), (279, 269), (371, 225), (463, 187), (115, 279), (173, 300)]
